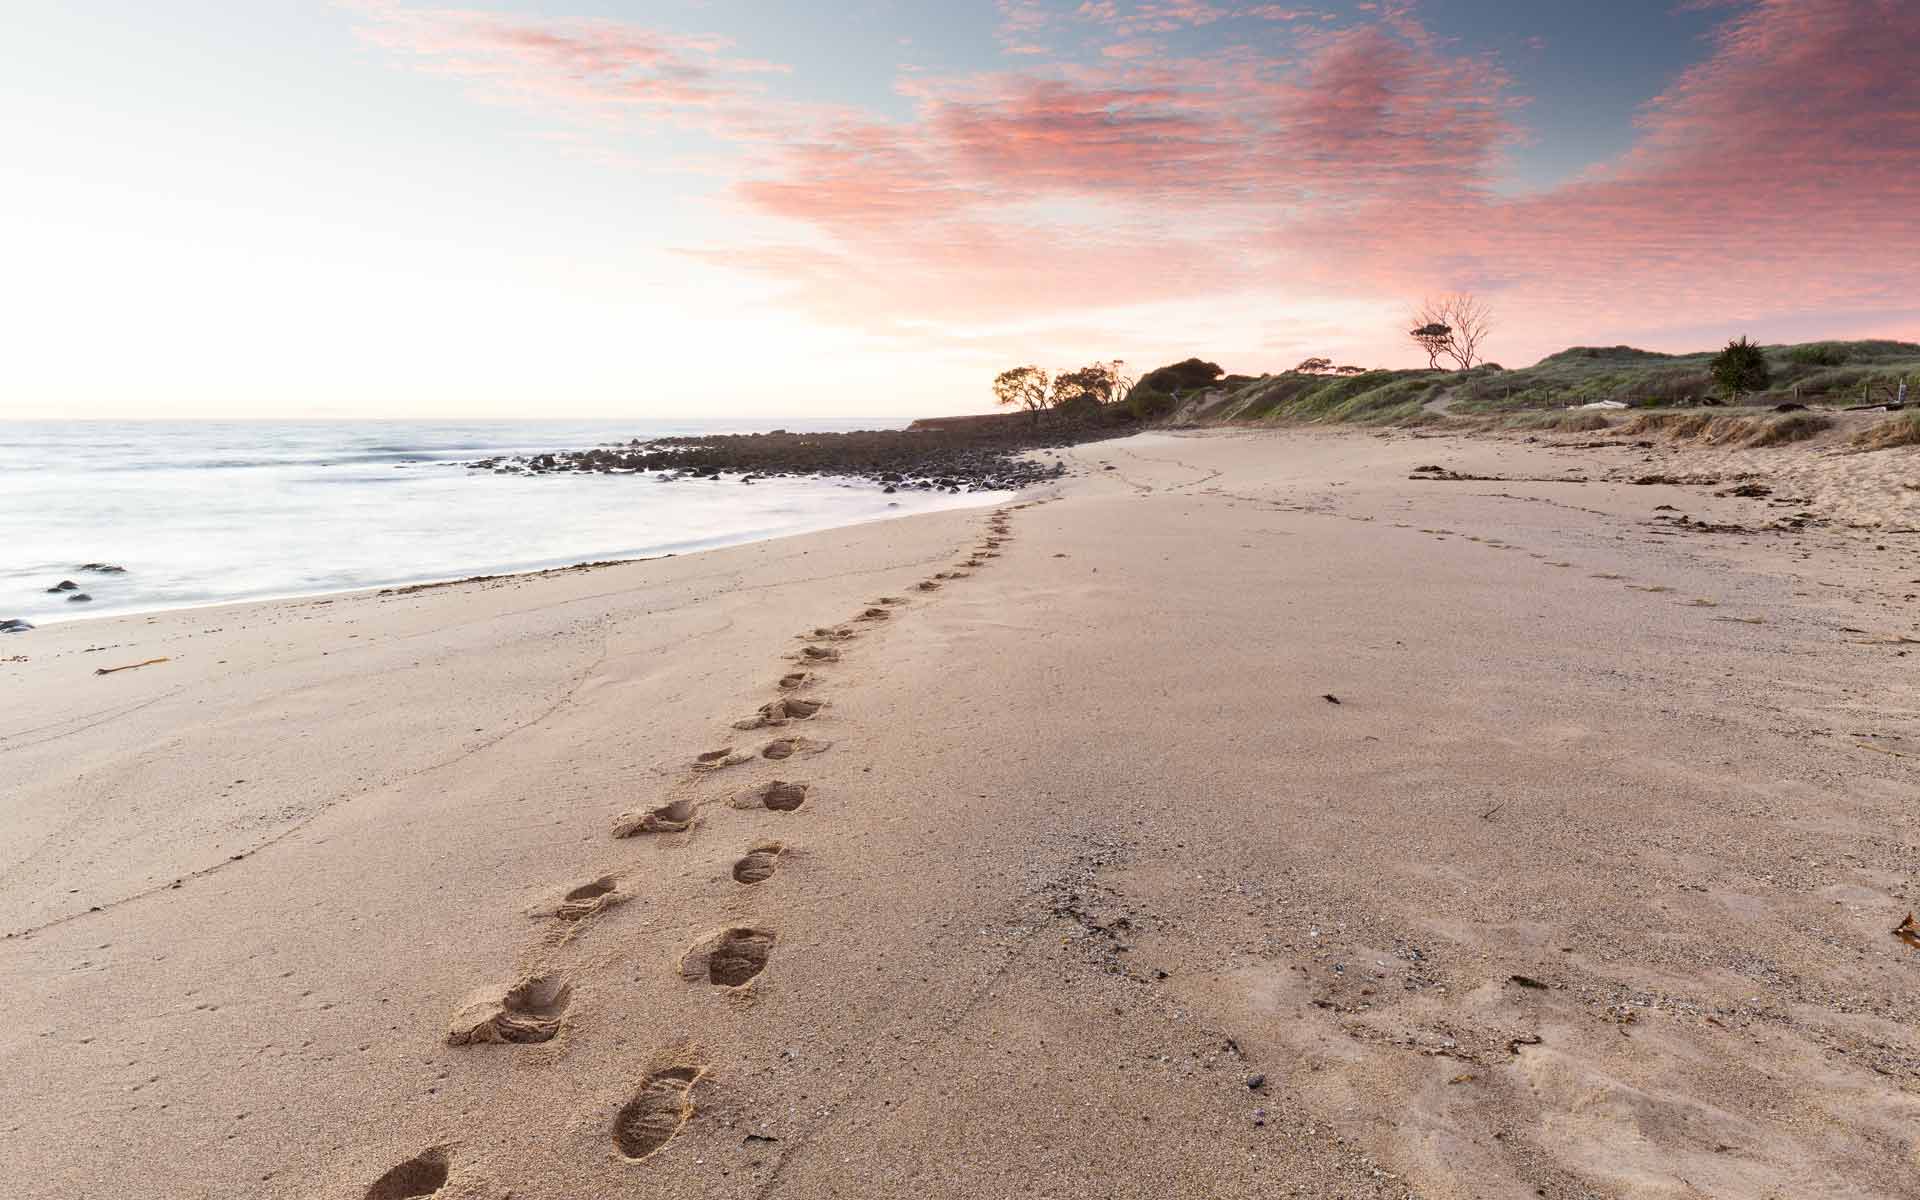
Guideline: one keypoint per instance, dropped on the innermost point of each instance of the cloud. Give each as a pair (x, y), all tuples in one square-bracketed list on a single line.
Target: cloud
[(1360, 161), (599, 69)]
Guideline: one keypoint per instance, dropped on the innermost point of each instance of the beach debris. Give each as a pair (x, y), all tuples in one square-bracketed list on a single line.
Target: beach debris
[(129, 667), (1463, 1077), (1514, 1044), (1908, 932), (1528, 981), (676, 816), (1329, 697), (1492, 812), (14, 625)]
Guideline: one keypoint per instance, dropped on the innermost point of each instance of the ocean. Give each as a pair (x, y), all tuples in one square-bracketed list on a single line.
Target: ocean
[(202, 512)]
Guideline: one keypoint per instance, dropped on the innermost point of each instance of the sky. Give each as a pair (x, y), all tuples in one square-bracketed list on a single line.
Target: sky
[(611, 208)]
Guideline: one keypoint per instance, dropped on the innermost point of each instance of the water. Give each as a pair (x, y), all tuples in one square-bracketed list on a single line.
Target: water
[(206, 512)]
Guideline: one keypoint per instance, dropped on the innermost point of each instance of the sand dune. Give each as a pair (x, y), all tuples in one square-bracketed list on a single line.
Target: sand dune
[(1241, 816)]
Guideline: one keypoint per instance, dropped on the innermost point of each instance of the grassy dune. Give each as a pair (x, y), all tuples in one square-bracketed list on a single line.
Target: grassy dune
[(1538, 396)]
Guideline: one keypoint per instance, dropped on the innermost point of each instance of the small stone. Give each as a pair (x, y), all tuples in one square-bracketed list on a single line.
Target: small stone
[(1256, 1082)]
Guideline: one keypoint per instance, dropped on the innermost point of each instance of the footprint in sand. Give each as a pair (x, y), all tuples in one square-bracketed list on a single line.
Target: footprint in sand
[(779, 712), (928, 585), (778, 795), (758, 864), (659, 1109), (819, 654), (788, 747), (526, 1013), (874, 614), (730, 958), (795, 681), (677, 816), (972, 562), (823, 633), (1649, 587), (958, 575), (713, 760), (589, 898), (891, 600), (422, 1175)]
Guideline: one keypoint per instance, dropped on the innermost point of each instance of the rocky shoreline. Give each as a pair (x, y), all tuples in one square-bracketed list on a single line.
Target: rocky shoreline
[(952, 455)]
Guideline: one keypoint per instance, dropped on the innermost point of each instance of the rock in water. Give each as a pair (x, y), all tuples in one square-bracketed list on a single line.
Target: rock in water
[(103, 568), (78, 598), (65, 585), (14, 626)]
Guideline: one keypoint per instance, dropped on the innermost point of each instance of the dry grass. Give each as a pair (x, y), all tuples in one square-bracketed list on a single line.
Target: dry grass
[(1901, 430), (1713, 430)]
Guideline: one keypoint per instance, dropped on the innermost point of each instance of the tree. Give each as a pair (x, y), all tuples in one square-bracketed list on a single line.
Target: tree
[(1021, 387), (1181, 377), (1741, 367), (1431, 336), (1349, 370), (1102, 382), (1452, 326), (1315, 366)]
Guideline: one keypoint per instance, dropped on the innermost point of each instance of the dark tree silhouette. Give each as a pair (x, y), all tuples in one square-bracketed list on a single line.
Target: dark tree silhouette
[(1741, 367)]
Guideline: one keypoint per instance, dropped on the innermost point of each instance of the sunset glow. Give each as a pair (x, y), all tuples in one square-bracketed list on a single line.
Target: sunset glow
[(396, 208)]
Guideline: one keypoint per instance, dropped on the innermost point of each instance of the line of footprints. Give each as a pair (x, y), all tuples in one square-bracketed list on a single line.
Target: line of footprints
[(534, 1009)]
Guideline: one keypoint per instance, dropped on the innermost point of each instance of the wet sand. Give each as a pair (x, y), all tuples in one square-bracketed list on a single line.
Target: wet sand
[(1248, 819)]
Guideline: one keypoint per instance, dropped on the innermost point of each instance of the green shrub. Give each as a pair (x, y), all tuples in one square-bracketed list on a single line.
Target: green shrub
[(1741, 367), (1146, 404), (1817, 354)]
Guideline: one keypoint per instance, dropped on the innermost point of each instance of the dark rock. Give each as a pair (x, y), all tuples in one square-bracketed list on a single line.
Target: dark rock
[(102, 568), (65, 585), (78, 598), (14, 626), (1256, 1082)]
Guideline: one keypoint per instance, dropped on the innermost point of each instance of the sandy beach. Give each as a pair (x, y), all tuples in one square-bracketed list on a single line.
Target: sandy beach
[(1241, 815)]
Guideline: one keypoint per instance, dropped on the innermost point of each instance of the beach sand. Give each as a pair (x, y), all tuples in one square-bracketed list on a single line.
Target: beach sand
[(1251, 820)]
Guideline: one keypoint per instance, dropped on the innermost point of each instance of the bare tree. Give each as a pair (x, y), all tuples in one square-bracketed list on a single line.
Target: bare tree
[(1315, 366), (1452, 326)]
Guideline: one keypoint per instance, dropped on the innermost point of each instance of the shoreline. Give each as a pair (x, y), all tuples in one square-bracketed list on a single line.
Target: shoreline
[(678, 549), (1240, 813)]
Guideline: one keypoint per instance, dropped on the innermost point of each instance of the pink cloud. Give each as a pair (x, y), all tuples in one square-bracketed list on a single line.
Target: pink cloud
[(597, 68), (1775, 176)]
